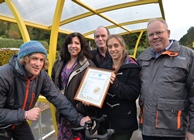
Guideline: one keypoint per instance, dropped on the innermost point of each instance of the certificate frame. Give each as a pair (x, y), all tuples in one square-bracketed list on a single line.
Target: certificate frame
[(94, 86)]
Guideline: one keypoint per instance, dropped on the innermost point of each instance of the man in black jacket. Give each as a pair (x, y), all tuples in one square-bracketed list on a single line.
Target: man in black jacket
[(100, 54), (21, 82)]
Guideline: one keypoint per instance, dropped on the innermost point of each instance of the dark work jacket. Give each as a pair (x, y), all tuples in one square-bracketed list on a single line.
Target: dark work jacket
[(167, 92), (120, 102), (96, 57), (18, 94)]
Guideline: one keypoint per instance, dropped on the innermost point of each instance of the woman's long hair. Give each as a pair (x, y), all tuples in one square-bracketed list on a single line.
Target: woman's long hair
[(85, 49), (122, 43)]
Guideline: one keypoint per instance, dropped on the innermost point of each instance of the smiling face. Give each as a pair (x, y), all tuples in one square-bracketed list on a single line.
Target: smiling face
[(115, 48), (35, 64), (74, 47), (158, 36), (100, 37)]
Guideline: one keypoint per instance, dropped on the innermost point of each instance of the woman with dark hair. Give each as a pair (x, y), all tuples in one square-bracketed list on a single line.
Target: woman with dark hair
[(67, 74), (120, 102)]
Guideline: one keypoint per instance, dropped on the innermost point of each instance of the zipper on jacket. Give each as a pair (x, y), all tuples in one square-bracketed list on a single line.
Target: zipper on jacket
[(156, 125), (179, 119), (32, 99), (141, 115), (26, 95)]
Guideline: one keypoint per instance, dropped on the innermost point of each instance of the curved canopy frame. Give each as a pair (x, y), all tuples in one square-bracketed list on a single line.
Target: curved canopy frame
[(84, 16)]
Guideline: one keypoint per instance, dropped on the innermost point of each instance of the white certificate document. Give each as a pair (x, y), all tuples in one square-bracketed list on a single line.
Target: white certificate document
[(94, 86)]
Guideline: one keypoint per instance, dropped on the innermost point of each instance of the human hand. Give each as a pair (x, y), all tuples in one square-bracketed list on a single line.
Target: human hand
[(84, 120), (189, 136), (33, 114), (112, 78), (85, 103)]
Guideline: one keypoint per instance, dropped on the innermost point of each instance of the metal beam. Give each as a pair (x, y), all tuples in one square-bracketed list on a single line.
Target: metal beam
[(162, 9), (19, 20), (54, 35), (136, 45), (99, 14), (102, 10)]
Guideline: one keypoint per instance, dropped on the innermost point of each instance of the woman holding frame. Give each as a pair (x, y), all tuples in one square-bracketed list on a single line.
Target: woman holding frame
[(120, 102)]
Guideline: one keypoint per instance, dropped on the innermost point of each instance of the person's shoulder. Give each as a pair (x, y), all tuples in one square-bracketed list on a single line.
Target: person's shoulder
[(91, 63), (94, 51), (58, 62), (44, 75), (7, 68), (106, 64), (7, 73), (185, 50), (146, 54)]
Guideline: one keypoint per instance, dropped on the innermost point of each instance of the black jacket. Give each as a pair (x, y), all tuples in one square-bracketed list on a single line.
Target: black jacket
[(96, 57), (120, 102), (18, 93)]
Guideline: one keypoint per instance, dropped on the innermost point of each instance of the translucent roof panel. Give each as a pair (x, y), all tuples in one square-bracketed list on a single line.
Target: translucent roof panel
[(134, 13), (134, 27), (73, 11), (106, 3), (87, 24), (117, 30), (4, 10), (84, 16), (36, 11)]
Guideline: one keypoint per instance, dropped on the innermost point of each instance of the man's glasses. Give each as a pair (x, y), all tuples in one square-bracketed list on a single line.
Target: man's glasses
[(158, 33)]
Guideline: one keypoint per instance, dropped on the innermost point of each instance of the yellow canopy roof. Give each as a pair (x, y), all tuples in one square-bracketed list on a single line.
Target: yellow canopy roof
[(84, 16)]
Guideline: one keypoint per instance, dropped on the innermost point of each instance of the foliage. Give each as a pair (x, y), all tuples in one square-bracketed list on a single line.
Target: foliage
[(13, 32), (3, 28), (38, 34), (5, 55), (61, 40), (188, 38), (131, 39), (139, 51), (12, 43)]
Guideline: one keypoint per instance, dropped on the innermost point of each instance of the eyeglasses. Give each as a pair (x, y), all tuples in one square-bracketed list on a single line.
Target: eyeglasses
[(158, 33)]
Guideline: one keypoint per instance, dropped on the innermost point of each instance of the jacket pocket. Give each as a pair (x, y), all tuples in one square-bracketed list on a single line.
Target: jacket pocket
[(175, 69), (145, 63), (169, 114)]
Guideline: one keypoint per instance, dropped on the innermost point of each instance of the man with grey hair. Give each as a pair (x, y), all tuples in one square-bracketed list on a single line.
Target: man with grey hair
[(100, 54), (167, 86)]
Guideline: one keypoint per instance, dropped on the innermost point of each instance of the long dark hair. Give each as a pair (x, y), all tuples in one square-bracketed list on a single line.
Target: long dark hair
[(85, 49)]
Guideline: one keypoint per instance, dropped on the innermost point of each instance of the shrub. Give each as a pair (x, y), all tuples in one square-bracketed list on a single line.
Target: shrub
[(16, 43), (139, 51), (5, 55)]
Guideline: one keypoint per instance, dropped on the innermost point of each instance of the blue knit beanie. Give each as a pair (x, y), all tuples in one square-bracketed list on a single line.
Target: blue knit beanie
[(31, 47)]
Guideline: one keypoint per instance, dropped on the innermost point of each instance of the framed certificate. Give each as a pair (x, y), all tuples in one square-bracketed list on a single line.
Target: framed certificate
[(94, 86)]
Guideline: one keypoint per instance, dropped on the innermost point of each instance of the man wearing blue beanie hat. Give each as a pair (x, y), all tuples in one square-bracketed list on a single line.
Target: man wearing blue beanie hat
[(21, 82), (31, 47)]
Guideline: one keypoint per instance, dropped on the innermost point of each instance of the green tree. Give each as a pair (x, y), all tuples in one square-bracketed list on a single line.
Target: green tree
[(13, 31), (188, 38)]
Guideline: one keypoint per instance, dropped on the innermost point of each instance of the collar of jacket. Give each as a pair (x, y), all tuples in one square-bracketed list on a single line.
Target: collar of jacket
[(107, 53), (18, 67), (173, 51), (128, 63)]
